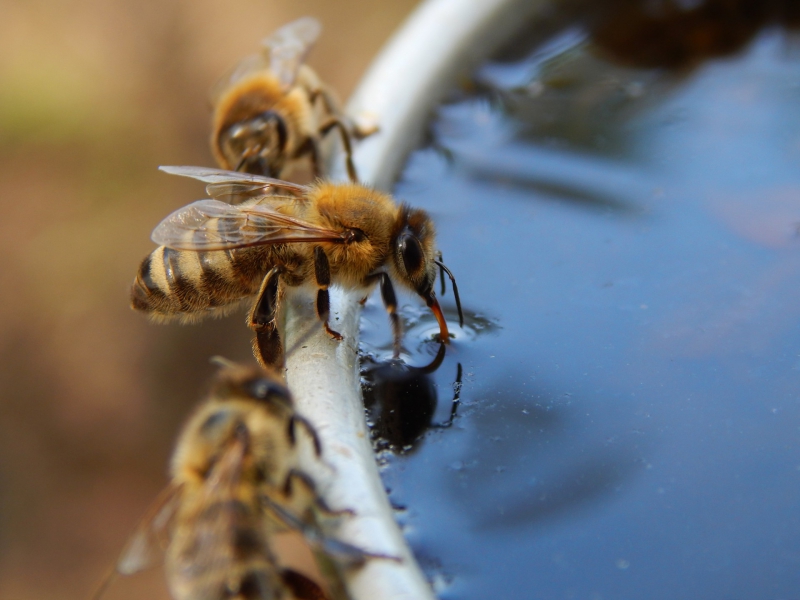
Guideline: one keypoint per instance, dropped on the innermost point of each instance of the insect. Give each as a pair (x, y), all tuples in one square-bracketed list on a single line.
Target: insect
[(235, 482), (213, 254), (272, 110)]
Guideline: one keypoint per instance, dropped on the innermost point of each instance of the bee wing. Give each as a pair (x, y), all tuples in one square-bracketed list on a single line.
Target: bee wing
[(213, 225), (147, 541), (246, 66), (216, 533), (284, 51), (288, 46), (234, 186)]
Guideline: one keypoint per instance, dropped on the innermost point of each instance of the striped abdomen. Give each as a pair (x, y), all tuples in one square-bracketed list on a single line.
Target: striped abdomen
[(222, 554), (187, 284)]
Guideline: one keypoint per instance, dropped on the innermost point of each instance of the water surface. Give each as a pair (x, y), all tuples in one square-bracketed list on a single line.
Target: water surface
[(626, 242)]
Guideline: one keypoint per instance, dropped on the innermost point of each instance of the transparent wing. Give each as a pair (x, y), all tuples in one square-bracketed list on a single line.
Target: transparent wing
[(234, 186), (146, 543), (284, 51), (215, 225), (226, 524), (213, 537), (288, 46), (246, 66), (223, 177)]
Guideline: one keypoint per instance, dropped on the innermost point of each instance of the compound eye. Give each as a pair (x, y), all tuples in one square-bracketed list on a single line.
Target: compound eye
[(214, 422), (411, 252), (259, 388), (262, 389)]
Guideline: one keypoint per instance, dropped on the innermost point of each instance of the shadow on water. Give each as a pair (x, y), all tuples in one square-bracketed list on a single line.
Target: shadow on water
[(528, 465), (562, 191)]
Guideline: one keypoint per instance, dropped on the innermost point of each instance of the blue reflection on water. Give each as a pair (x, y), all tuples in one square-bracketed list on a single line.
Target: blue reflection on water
[(630, 420)]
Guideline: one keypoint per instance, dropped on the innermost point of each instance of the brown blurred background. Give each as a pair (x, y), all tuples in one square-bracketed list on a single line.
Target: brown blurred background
[(94, 95)]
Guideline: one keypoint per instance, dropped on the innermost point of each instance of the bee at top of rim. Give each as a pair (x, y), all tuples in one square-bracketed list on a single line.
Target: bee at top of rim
[(272, 112)]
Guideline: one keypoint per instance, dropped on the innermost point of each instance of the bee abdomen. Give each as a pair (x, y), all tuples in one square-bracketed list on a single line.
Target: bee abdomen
[(172, 283), (236, 563)]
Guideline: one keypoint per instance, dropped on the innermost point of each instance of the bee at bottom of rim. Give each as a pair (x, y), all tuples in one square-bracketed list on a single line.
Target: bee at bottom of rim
[(235, 483), (255, 232)]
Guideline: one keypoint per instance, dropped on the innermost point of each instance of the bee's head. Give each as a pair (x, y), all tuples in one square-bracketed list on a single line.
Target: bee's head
[(256, 145), (414, 251), (415, 260)]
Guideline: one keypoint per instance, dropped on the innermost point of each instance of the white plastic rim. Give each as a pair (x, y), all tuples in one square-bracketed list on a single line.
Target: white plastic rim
[(441, 39)]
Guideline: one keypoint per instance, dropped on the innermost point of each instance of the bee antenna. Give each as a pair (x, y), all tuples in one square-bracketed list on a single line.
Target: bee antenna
[(221, 362), (455, 291), (441, 271)]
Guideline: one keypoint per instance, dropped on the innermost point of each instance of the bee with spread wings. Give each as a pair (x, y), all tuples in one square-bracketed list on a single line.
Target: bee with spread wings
[(272, 110), (213, 254), (235, 483)]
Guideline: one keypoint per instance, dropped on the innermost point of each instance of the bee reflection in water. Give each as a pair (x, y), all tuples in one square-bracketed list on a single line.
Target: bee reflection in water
[(402, 401)]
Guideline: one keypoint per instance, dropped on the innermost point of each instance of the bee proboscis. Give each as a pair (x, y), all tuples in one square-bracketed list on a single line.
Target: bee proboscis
[(213, 254), (272, 110), (235, 483)]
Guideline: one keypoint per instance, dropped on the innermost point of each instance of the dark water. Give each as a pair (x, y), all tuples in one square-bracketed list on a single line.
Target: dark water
[(627, 246)]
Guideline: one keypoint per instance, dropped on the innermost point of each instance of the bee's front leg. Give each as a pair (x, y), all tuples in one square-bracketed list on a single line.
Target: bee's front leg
[(390, 302), (267, 346), (322, 273)]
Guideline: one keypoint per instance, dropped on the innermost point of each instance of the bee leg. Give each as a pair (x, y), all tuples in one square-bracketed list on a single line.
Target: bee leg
[(359, 128), (390, 302), (322, 272), (311, 148), (296, 420), (346, 553), (344, 132), (301, 488), (330, 105), (267, 346)]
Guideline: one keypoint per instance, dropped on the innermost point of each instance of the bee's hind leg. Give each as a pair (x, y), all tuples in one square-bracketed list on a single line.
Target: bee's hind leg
[(322, 273), (267, 346)]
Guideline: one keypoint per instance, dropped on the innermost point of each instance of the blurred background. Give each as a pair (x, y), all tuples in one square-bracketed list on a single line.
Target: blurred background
[(628, 417), (94, 95)]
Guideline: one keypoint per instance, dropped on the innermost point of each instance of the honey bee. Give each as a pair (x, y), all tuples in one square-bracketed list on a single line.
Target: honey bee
[(272, 109), (235, 482), (213, 254)]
